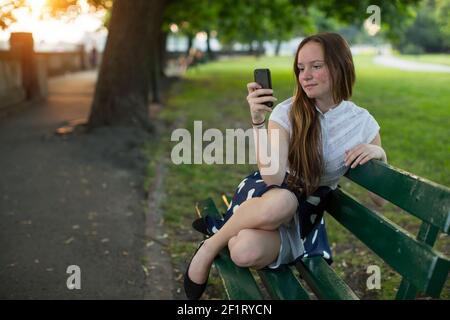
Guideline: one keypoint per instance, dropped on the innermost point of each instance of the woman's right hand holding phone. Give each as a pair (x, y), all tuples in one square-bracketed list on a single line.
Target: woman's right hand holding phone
[(256, 99)]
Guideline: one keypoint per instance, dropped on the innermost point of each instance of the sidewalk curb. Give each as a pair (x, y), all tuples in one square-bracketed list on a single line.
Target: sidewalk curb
[(159, 273)]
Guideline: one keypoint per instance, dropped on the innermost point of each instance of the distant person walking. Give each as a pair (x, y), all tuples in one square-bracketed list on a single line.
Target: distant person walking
[(93, 58)]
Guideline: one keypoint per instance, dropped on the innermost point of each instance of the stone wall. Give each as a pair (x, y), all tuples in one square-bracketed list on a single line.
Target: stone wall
[(24, 73)]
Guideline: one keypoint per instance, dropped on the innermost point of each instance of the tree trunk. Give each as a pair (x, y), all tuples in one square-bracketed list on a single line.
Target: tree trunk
[(162, 52), (121, 93), (155, 79), (277, 47), (209, 52), (250, 47), (158, 65), (259, 49), (190, 43)]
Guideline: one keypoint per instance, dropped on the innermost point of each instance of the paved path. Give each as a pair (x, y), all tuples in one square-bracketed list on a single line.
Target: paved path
[(398, 63), (75, 200)]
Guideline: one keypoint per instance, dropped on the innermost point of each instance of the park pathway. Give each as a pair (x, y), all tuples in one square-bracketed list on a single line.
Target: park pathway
[(75, 199), (391, 61)]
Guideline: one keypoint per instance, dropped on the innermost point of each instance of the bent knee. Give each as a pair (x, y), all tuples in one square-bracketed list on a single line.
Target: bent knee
[(278, 207), (242, 257), (243, 253)]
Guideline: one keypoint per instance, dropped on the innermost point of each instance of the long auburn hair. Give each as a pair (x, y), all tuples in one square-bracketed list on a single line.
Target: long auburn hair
[(305, 146)]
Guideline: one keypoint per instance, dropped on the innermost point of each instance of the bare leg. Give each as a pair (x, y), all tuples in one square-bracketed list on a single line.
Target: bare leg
[(265, 213), (255, 248)]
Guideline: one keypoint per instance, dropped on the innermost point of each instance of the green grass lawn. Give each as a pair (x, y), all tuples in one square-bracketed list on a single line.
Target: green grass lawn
[(438, 58), (412, 109)]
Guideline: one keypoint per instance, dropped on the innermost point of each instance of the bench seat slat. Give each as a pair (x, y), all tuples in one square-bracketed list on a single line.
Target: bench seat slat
[(323, 281), (282, 284), (422, 266), (424, 199), (238, 282)]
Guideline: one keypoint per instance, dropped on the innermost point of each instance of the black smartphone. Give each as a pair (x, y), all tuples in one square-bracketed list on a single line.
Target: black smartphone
[(262, 77)]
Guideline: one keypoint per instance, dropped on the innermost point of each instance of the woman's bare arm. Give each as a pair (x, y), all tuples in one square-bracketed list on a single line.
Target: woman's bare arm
[(278, 139)]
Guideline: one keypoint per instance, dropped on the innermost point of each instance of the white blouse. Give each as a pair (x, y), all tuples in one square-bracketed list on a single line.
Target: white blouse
[(343, 127)]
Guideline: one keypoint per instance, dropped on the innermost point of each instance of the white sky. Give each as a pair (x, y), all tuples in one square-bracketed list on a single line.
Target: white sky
[(50, 32)]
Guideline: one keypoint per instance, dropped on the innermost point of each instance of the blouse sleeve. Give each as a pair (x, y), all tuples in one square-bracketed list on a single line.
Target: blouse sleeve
[(371, 128), (280, 115)]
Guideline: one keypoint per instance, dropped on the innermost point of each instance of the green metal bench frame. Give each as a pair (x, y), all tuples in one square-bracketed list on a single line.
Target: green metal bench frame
[(423, 269)]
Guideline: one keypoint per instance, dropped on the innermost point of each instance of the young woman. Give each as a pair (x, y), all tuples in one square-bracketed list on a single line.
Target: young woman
[(277, 219)]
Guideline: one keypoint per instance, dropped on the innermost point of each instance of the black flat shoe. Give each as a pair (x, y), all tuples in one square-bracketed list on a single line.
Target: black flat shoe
[(193, 290), (201, 226)]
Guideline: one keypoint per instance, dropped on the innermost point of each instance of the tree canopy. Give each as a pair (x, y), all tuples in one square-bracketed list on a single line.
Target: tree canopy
[(246, 21), (7, 8), (429, 31), (138, 30)]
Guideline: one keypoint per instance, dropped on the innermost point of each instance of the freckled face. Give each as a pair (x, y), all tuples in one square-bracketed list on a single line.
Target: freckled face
[(314, 76)]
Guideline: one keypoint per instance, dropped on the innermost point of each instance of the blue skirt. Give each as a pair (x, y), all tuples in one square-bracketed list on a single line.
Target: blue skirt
[(304, 236)]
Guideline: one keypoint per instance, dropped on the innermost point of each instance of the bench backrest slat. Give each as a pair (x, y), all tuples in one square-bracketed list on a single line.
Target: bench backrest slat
[(424, 199), (425, 268), (406, 291), (427, 234)]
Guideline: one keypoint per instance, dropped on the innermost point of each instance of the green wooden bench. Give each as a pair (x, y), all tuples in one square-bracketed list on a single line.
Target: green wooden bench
[(423, 269)]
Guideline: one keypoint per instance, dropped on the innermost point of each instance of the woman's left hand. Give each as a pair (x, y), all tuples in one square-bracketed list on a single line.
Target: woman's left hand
[(363, 153)]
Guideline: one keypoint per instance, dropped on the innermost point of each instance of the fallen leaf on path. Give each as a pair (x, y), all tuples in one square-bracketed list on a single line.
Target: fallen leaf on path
[(164, 236), (92, 215), (69, 240), (145, 270)]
